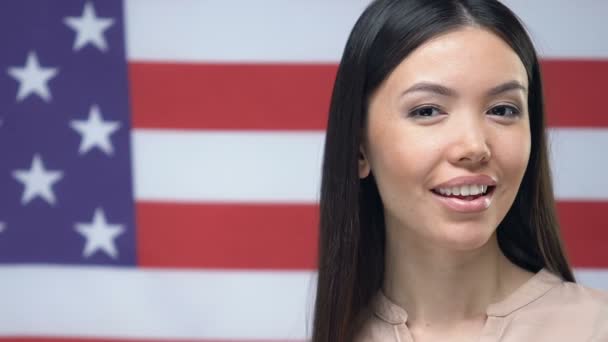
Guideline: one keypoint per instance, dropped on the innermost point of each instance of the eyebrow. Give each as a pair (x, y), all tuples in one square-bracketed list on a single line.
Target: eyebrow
[(445, 91)]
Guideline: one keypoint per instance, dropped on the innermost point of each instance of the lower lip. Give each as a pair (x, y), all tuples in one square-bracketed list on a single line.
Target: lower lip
[(466, 206)]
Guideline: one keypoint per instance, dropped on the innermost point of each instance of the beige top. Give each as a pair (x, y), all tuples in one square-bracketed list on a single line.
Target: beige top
[(545, 308)]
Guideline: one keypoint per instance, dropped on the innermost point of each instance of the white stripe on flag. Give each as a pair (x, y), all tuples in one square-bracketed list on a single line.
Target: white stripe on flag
[(579, 163), (545, 20), (271, 167), (592, 277), (130, 303), (241, 30), (230, 166), (317, 30)]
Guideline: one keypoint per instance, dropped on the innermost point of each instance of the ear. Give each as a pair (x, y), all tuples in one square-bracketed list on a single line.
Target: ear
[(364, 167)]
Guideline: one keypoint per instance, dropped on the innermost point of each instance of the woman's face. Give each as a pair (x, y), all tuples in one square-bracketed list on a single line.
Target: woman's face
[(456, 106)]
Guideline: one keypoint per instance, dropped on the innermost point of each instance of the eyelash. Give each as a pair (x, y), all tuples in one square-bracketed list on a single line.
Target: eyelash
[(514, 110)]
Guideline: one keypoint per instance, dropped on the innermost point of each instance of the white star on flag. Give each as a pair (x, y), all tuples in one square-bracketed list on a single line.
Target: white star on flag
[(33, 78), (2, 226), (89, 28), (95, 132), (100, 235), (37, 181)]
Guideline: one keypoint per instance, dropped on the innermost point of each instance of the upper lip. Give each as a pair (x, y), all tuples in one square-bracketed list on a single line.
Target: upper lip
[(468, 180)]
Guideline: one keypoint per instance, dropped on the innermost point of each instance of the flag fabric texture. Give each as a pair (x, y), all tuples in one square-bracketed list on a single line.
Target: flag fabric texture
[(160, 161)]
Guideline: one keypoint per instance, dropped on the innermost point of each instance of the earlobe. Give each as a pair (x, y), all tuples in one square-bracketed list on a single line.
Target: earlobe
[(364, 167)]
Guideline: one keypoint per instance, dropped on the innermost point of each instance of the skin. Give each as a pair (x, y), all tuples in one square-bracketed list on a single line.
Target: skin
[(443, 267)]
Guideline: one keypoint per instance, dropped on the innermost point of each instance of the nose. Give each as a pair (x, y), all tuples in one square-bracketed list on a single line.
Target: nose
[(471, 146)]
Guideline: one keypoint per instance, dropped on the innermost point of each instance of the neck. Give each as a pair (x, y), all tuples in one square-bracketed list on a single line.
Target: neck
[(442, 287)]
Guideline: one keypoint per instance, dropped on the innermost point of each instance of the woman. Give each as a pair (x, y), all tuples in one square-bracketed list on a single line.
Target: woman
[(437, 212)]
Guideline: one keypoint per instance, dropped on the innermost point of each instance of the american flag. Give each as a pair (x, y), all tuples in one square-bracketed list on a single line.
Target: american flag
[(160, 160)]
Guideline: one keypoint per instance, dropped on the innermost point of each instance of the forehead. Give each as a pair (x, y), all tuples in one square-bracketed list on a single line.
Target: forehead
[(470, 58)]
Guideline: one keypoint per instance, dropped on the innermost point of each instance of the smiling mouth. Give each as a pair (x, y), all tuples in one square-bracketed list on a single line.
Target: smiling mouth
[(488, 192)]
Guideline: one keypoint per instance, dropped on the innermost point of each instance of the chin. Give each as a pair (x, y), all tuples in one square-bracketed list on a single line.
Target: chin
[(465, 238)]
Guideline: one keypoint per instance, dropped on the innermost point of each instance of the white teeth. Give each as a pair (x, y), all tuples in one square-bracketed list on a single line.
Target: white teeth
[(465, 190)]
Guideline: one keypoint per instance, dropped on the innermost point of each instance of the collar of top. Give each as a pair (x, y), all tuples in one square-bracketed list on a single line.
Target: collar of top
[(534, 288)]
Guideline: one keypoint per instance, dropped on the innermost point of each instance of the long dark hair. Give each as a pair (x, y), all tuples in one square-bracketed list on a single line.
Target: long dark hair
[(352, 235)]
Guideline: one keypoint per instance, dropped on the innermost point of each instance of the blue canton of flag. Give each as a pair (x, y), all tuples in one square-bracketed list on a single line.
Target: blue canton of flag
[(65, 171)]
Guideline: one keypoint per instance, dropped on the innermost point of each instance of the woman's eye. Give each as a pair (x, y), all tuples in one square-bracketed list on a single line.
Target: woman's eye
[(431, 111), (505, 111), (427, 112)]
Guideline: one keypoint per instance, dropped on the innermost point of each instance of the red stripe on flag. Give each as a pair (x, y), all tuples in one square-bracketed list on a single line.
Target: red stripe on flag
[(585, 232), (234, 236), (296, 96), (250, 236), (575, 91), (230, 96)]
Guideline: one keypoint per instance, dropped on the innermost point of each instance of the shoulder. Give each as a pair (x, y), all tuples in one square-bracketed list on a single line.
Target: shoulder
[(581, 301), (576, 297), (572, 309), (376, 329), (382, 320), (547, 308), (547, 291)]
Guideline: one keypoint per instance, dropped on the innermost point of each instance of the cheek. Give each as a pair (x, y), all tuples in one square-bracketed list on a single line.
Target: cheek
[(403, 156), (514, 155)]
